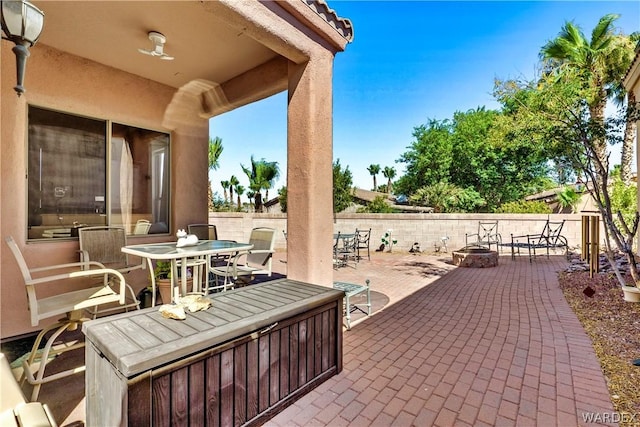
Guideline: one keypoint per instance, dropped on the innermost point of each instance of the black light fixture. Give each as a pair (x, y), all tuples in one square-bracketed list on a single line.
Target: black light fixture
[(22, 24)]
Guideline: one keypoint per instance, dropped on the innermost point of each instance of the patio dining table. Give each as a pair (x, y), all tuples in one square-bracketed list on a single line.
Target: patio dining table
[(169, 252)]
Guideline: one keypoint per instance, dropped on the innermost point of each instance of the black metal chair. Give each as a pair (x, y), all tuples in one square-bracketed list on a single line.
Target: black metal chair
[(363, 238), (486, 236)]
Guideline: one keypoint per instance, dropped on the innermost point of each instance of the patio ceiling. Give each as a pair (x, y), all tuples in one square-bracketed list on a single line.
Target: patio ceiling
[(204, 46)]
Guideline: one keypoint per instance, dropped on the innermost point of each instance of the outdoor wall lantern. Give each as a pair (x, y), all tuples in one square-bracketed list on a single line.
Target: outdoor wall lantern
[(22, 24)]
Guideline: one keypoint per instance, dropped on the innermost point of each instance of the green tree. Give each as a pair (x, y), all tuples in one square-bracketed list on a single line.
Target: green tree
[(447, 197), (475, 150), (215, 150), (428, 158), (251, 195), (282, 198), (261, 175), (225, 186), (342, 187), (525, 206), (591, 62), (568, 197), (374, 170), (389, 173), (378, 205), (233, 181), (239, 192), (557, 110)]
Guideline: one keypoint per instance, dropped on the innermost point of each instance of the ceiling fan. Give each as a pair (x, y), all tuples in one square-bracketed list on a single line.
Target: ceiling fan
[(158, 41)]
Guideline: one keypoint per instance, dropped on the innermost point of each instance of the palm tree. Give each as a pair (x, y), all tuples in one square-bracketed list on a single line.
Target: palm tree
[(374, 170), (250, 195), (271, 172), (225, 185), (215, 150), (261, 176), (239, 192), (568, 197), (233, 181), (389, 173), (571, 49)]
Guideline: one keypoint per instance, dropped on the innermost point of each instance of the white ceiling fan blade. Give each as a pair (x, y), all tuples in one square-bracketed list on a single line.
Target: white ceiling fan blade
[(158, 41)]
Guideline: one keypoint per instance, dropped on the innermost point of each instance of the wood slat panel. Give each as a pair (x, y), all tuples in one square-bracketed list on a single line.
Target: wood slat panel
[(196, 391), (260, 304), (151, 325), (317, 354), (302, 352), (226, 388), (240, 384), (263, 373), (326, 348), (179, 394), (311, 347), (161, 408), (252, 379), (213, 389), (285, 368), (294, 363), (243, 305), (274, 368)]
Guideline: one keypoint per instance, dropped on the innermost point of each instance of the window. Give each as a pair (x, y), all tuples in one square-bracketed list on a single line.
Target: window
[(84, 171)]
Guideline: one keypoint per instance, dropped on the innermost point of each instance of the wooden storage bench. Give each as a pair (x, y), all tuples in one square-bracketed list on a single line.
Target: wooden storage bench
[(255, 351)]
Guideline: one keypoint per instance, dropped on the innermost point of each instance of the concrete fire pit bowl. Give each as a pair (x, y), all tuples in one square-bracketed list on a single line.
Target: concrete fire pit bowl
[(475, 257)]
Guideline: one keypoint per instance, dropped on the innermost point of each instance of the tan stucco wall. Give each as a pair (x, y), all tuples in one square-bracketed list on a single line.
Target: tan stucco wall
[(71, 84)]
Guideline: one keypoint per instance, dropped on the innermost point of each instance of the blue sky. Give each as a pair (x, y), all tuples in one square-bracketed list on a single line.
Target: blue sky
[(410, 61)]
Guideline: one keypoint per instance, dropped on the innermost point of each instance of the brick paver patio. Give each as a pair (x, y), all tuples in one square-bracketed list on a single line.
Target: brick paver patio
[(451, 347), (497, 347)]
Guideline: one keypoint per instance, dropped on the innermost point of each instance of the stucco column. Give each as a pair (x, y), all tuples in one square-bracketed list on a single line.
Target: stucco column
[(310, 171)]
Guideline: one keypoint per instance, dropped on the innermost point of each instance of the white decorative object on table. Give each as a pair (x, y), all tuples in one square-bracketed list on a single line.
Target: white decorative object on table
[(186, 240)]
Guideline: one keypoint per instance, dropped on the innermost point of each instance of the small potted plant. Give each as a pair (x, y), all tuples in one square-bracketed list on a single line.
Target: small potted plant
[(162, 274), (388, 241)]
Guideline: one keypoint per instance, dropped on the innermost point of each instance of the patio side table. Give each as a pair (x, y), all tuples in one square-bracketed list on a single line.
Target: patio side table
[(350, 290)]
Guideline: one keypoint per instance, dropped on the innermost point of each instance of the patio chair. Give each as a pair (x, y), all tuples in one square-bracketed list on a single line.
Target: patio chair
[(549, 238), (344, 250), (14, 408), (362, 242), (203, 231), (486, 236), (142, 227), (248, 264), (103, 244), (71, 304)]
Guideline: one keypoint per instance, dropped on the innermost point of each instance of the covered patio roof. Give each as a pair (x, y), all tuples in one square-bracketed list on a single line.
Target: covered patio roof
[(225, 51)]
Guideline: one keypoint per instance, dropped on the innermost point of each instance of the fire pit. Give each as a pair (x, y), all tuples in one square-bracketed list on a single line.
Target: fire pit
[(475, 257)]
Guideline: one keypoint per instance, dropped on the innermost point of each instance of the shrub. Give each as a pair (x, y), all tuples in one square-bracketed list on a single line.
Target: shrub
[(524, 206)]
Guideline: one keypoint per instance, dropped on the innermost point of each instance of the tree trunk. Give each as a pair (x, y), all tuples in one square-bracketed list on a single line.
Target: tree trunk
[(210, 197), (627, 143), (258, 198), (599, 143)]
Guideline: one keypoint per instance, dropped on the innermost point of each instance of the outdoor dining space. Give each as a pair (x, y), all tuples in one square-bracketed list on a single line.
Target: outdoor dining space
[(125, 341)]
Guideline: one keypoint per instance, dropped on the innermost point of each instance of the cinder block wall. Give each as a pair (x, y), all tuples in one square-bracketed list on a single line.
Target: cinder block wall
[(426, 229)]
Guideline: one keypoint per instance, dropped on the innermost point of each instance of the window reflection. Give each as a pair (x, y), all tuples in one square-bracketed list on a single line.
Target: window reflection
[(68, 172)]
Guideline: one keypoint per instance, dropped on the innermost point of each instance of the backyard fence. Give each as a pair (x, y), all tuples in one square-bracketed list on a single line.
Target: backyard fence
[(432, 232)]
